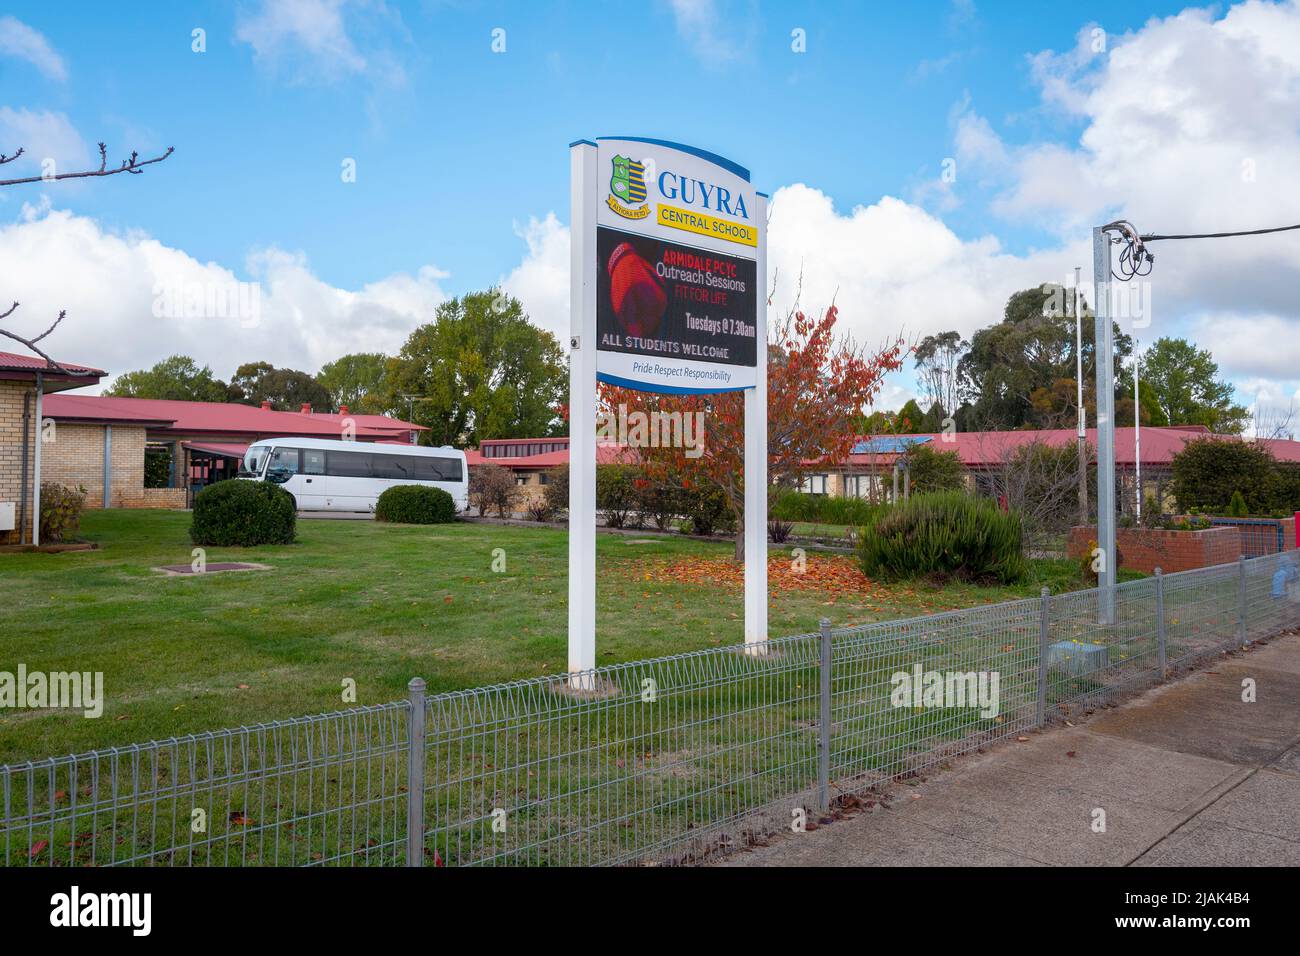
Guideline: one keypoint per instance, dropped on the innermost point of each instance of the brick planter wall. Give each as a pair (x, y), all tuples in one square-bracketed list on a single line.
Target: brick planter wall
[(1145, 549)]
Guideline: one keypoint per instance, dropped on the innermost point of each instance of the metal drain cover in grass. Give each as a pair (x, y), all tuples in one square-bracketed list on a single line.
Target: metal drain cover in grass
[(213, 568)]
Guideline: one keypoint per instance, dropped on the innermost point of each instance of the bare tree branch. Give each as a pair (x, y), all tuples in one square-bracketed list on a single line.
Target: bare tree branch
[(133, 165), (9, 159), (31, 343)]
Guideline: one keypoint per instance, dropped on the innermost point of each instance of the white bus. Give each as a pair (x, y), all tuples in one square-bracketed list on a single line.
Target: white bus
[(327, 475)]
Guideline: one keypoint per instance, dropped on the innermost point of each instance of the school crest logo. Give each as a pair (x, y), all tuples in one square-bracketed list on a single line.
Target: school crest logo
[(627, 188)]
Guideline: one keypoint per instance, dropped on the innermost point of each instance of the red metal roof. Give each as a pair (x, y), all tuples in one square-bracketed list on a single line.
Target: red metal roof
[(219, 418), (976, 449), (607, 453), (34, 363), (991, 449)]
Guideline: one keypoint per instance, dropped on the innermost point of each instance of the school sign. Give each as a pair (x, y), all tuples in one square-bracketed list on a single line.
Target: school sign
[(668, 295)]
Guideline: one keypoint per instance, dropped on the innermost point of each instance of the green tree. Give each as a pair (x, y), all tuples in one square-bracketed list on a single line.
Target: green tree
[(1020, 373), (178, 378), (287, 389), (481, 370), (929, 469), (911, 420), (1208, 472), (358, 381), (1183, 381)]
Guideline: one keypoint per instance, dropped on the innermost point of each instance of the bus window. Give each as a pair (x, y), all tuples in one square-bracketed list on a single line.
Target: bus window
[(349, 464), (282, 465), (313, 461), (396, 467)]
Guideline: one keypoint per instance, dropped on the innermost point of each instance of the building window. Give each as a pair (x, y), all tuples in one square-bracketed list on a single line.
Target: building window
[(813, 485)]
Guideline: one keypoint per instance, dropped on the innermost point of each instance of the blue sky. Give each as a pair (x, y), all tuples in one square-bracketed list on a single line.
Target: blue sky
[(469, 142), (461, 151)]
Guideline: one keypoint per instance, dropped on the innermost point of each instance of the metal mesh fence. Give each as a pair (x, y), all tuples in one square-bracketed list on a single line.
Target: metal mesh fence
[(656, 761)]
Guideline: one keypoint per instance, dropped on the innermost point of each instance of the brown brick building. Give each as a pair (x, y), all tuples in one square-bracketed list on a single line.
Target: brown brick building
[(25, 381)]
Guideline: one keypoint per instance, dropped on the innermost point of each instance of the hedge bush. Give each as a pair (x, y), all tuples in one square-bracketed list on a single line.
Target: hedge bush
[(415, 504), (821, 509), (616, 493), (493, 487), (944, 535), (61, 509), (243, 513), (1210, 471)]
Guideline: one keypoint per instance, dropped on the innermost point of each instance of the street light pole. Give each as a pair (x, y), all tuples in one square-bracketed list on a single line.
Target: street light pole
[(1104, 352), (1082, 442), (1137, 431)]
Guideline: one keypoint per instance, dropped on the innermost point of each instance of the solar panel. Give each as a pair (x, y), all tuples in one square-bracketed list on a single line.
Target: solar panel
[(889, 444)]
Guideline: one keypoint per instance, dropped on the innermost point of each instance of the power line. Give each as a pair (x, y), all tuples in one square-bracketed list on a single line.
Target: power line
[(1222, 235), (1136, 261)]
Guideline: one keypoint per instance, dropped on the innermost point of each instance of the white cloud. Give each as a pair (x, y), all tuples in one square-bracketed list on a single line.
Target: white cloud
[(112, 285), (19, 40), (1190, 124), (541, 281), (42, 136), (323, 39), (716, 39), (892, 266)]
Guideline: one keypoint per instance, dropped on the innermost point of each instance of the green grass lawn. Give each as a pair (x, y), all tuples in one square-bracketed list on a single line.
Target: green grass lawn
[(354, 599)]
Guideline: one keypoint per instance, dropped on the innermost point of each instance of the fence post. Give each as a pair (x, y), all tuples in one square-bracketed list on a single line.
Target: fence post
[(1241, 600), (1160, 624), (415, 775), (1044, 636), (824, 720)]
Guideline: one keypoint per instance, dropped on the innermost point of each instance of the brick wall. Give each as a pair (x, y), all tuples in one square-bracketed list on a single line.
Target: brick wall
[(11, 451), (75, 458), (1145, 549)]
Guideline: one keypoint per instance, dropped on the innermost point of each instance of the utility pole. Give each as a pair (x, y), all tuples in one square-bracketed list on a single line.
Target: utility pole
[(1082, 442), (1137, 431), (1104, 353)]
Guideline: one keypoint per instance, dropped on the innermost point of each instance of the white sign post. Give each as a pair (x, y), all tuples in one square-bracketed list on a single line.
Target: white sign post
[(668, 294)]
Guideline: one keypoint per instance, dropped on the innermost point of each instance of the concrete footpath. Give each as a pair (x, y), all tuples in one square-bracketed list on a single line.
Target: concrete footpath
[(1186, 774)]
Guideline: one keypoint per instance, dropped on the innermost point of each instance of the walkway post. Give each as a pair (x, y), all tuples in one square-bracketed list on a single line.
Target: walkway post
[(415, 774), (824, 720), (1160, 625), (1104, 354), (1044, 639)]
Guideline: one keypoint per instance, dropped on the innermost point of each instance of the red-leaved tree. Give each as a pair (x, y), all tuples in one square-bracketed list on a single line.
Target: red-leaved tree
[(818, 386)]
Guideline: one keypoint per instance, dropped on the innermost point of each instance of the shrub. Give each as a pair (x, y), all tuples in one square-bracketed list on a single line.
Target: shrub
[(1237, 506), (492, 487), (415, 504), (778, 530), (243, 513), (61, 509), (1208, 471), (157, 467), (944, 535), (820, 509), (540, 510), (616, 493), (658, 501), (556, 490), (707, 511), (930, 470)]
